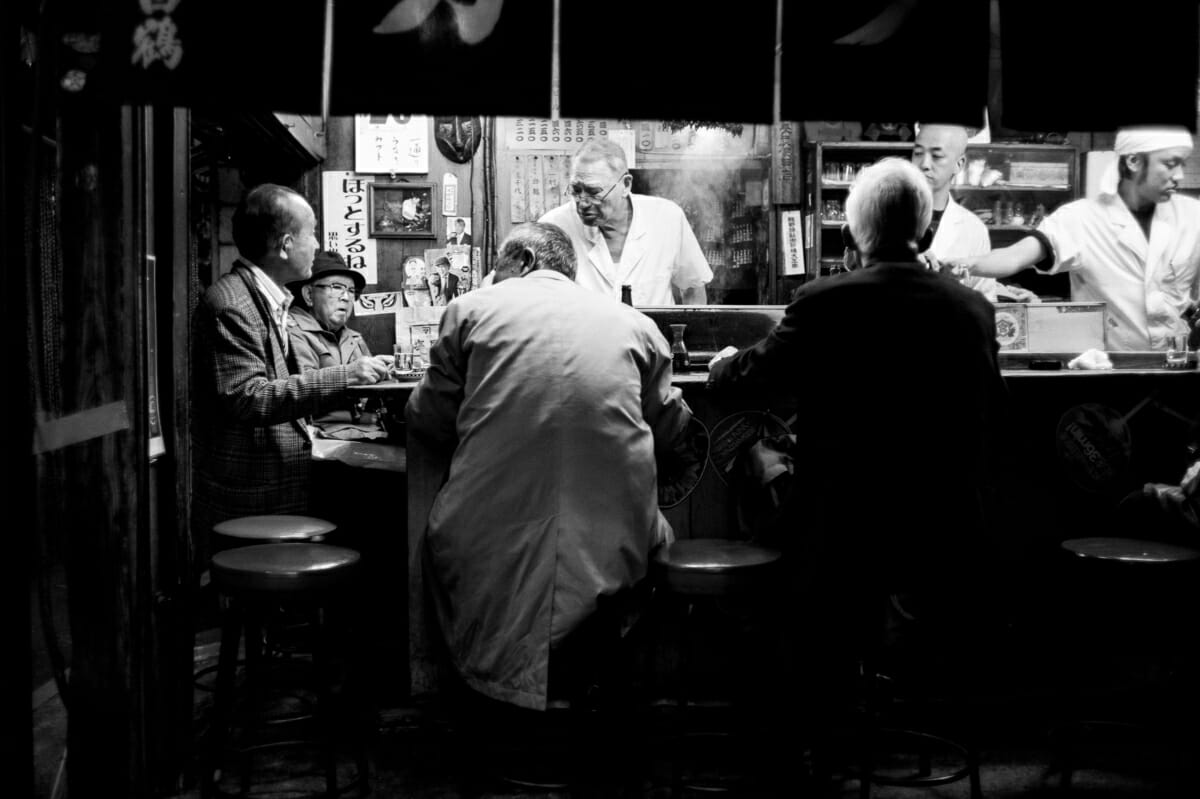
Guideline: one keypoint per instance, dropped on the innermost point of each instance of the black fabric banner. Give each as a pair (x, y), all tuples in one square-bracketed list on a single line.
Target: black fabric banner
[(442, 57), (885, 61), (264, 55), (667, 59), (1081, 65)]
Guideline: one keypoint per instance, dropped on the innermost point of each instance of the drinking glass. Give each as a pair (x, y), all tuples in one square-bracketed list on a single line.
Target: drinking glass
[(1177, 351)]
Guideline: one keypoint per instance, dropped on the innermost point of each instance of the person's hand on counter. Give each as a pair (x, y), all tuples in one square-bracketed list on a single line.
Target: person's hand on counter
[(724, 353), (368, 371)]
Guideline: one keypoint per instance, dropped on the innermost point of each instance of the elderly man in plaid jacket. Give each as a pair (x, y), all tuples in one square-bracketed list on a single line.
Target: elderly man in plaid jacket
[(251, 441)]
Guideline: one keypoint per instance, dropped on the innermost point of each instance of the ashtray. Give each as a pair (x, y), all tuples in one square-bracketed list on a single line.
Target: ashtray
[(408, 374)]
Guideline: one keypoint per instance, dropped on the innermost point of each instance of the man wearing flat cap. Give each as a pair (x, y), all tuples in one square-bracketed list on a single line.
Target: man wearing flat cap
[(1135, 247), (323, 306)]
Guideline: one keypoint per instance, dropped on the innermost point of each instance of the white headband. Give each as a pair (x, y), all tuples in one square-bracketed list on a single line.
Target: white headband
[(1147, 140), (1142, 140)]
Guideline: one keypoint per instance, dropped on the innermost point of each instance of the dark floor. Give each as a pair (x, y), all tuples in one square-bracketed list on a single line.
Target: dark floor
[(414, 751)]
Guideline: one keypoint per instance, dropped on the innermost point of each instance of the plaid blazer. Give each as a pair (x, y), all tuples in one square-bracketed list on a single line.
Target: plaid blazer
[(252, 449)]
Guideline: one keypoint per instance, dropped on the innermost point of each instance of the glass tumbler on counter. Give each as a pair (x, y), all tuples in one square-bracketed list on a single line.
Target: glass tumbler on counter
[(406, 365), (1177, 352)]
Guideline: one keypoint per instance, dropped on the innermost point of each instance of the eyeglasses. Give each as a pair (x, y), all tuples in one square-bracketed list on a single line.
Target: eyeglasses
[(340, 289), (582, 194)]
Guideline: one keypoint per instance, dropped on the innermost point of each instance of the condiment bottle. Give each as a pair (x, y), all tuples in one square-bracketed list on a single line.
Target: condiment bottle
[(681, 361)]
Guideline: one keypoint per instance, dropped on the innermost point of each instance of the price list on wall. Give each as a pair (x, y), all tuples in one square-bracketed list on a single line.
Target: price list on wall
[(531, 133)]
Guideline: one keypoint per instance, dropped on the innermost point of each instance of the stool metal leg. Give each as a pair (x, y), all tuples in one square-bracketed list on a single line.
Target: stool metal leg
[(325, 721), (255, 680), (231, 632)]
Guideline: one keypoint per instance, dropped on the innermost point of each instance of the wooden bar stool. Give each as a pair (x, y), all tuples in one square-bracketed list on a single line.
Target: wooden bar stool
[(1124, 597), (721, 575), (262, 529), (256, 579)]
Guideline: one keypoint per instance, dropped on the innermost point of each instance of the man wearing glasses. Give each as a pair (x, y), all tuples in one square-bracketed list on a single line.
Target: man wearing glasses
[(622, 238), (324, 304)]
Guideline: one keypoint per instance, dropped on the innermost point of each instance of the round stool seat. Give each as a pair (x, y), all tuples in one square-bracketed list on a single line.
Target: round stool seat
[(280, 527), (714, 566), (1129, 550), (272, 568)]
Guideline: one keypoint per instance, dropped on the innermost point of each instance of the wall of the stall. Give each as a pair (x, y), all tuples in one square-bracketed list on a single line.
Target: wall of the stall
[(379, 328)]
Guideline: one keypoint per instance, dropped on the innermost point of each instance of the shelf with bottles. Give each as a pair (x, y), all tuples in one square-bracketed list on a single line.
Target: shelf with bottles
[(1011, 187)]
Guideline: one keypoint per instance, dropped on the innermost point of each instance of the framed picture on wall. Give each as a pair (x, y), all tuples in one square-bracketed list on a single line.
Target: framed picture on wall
[(401, 210)]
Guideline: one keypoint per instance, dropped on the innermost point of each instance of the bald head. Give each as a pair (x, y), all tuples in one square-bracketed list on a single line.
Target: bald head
[(940, 153)]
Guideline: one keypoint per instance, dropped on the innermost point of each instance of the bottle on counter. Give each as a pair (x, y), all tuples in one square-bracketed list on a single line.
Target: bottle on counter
[(627, 294), (681, 361)]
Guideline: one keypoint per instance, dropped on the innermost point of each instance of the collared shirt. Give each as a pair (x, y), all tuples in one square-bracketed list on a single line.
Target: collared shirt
[(961, 234), (278, 300), (660, 251), (1146, 284)]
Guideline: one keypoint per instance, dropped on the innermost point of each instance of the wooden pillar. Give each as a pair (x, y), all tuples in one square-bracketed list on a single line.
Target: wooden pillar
[(102, 439)]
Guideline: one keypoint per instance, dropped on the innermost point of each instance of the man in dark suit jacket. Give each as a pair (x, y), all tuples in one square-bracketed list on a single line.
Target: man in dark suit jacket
[(250, 438), (895, 372), (460, 234)]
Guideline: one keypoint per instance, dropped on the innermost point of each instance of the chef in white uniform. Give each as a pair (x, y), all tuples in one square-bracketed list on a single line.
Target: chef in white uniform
[(1135, 247)]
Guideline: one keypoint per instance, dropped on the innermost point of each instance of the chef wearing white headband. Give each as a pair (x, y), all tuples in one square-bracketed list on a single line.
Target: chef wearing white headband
[(1135, 247)]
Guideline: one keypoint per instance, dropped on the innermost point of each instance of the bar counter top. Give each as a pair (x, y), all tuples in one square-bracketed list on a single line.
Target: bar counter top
[(1012, 365)]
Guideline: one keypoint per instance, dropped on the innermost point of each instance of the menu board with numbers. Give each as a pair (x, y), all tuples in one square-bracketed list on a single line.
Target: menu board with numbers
[(565, 135)]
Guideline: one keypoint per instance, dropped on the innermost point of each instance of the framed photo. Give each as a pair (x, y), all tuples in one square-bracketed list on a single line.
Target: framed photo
[(401, 210)]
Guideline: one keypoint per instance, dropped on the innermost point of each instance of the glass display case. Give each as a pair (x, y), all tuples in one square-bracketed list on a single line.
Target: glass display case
[(1010, 187)]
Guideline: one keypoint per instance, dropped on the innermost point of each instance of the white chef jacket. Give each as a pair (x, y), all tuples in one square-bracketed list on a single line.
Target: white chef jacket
[(1147, 284), (660, 251), (553, 398), (961, 234)]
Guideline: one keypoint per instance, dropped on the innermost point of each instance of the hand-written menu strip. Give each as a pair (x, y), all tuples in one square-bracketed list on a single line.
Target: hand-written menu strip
[(537, 205), (552, 175), (517, 191)]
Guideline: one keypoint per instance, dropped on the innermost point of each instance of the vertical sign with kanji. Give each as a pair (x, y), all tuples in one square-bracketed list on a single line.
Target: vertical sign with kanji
[(344, 198), (793, 243)]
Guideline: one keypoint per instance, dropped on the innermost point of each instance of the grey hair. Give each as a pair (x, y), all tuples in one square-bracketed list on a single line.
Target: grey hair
[(551, 247), (604, 150), (262, 219), (889, 208)]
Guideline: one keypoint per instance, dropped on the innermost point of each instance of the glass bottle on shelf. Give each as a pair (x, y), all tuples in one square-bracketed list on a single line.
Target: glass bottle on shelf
[(681, 361)]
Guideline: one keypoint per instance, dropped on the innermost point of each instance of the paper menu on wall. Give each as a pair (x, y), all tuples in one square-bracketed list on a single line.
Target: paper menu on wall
[(552, 180), (517, 190), (537, 191), (793, 242)]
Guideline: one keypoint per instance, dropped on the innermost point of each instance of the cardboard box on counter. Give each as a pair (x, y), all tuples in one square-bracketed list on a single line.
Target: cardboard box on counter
[(1051, 326)]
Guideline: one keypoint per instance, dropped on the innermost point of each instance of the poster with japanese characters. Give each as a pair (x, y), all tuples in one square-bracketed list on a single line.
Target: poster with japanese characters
[(391, 145), (344, 222), (793, 242)]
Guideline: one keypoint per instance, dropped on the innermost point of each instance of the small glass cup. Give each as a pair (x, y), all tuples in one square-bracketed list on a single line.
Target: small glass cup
[(1177, 351), (406, 364)]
